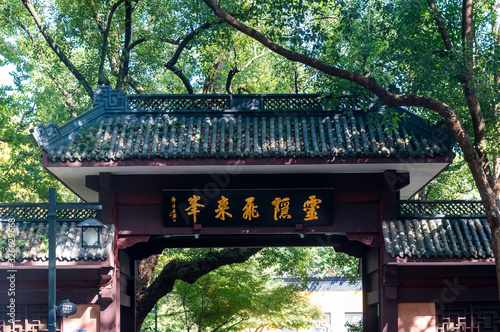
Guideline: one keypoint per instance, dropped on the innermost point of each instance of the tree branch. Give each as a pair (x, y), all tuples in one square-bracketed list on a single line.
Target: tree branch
[(170, 65), (465, 77), (495, 29), (237, 318), (469, 91), (105, 40), (135, 85), (137, 42), (125, 58), (442, 29), (236, 70), (68, 97), (170, 41), (187, 271), (183, 77), (496, 171), (209, 80), (389, 98), (145, 269), (53, 45)]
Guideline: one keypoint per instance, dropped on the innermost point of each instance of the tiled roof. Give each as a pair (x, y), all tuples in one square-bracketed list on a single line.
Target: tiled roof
[(165, 130), (454, 238), (327, 283), (31, 241)]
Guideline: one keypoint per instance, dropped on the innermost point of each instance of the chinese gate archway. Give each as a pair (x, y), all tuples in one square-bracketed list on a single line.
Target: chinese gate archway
[(257, 171)]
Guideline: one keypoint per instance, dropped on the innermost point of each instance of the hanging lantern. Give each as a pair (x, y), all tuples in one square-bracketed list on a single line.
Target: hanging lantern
[(91, 233)]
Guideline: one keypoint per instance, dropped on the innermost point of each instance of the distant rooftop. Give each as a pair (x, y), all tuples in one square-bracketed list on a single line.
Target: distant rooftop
[(328, 283)]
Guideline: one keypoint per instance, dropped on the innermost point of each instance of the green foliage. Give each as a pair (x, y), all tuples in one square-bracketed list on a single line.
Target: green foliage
[(306, 262), (455, 183), (232, 298), (22, 177), (396, 43), (354, 327), (44, 87), (284, 262), (250, 293)]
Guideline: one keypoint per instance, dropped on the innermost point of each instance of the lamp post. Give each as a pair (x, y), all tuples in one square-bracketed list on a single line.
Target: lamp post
[(52, 218)]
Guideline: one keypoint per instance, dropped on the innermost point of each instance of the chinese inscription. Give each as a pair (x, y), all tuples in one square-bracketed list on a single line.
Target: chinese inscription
[(311, 208), (250, 207), (222, 209), (173, 214), (281, 207), (193, 206)]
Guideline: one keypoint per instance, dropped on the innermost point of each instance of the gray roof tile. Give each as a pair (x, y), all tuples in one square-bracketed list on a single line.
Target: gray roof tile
[(452, 238), (162, 126), (31, 241), (236, 136)]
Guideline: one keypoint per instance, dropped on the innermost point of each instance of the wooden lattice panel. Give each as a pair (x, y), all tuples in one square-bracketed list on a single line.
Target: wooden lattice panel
[(158, 103), (422, 209), (292, 103), (38, 212), (74, 214), (29, 318), (468, 317), (204, 102), (23, 211)]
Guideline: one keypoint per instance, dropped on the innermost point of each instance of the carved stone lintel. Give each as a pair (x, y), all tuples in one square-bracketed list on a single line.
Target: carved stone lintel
[(110, 98)]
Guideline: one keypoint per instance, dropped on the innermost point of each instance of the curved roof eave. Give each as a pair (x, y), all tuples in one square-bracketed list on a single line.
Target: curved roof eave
[(173, 134)]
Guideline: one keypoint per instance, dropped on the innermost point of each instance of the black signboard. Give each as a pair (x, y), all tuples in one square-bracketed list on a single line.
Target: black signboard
[(258, 207), (66, 308)]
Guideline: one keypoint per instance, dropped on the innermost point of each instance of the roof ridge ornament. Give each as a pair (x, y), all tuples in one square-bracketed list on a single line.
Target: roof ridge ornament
[(42, 134), (112, 99)]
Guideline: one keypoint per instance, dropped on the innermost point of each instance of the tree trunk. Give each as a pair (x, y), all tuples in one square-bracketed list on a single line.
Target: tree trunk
[(212, 75), (188, 271), (145, 268), (125, 58)]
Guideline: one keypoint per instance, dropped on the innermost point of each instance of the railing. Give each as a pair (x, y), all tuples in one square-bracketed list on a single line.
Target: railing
[(31, 212), (433, 209), (147, 103)]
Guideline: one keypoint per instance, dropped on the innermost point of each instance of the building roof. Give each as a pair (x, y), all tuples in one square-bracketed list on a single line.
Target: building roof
[(142, 130), (166, 127), (31, 242), (328, 283), (441, 237), (333, 283)]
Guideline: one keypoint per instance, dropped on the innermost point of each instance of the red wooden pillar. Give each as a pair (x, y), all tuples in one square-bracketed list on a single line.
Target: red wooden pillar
[(370, 275), (110, 296), (388, 303)]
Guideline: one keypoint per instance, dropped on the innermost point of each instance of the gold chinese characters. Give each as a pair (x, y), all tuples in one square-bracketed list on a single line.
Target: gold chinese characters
[(222, 209), (250, 209), (193, 206), (280, 208)]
